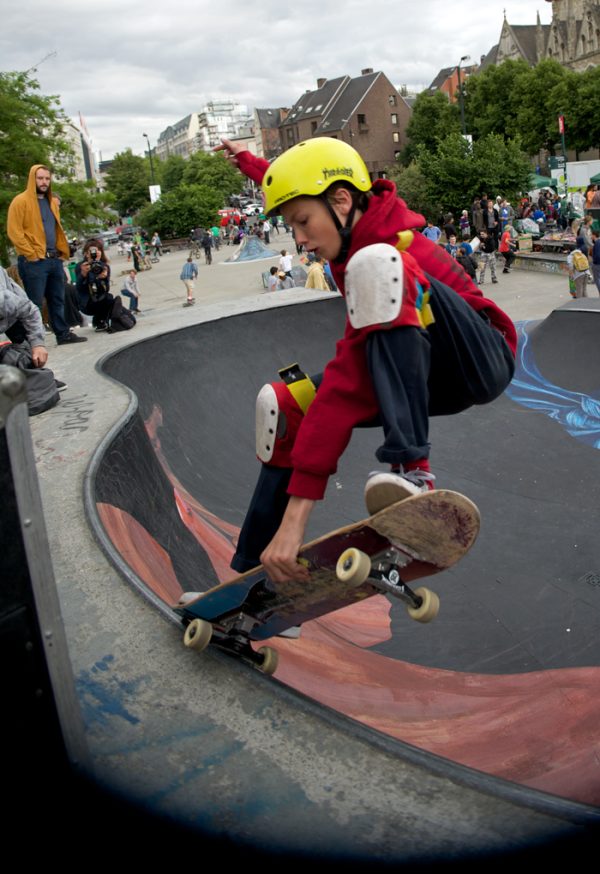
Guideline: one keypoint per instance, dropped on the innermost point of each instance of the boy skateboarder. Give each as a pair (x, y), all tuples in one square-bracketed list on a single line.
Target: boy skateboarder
[(420, 340)]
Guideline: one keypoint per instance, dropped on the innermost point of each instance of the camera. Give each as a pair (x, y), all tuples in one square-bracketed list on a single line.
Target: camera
[(96, 267), (98, 288)]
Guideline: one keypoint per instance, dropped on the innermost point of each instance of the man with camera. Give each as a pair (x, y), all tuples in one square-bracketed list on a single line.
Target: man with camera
[(93, 283), (34, 228)]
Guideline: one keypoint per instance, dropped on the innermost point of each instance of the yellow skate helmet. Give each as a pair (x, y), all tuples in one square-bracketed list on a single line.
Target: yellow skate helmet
[(309, 168)]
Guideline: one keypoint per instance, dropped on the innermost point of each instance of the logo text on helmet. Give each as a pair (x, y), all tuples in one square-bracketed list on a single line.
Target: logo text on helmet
[(288, 196), (338, 171)]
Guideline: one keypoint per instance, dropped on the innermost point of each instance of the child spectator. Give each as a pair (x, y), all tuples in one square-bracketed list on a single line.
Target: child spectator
[(273, 279), (465, 225)]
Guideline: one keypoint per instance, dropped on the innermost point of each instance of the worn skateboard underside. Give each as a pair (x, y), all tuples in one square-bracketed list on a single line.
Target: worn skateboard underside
[(430, 532)]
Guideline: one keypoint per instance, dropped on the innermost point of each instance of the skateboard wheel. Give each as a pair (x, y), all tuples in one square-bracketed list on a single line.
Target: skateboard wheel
[(353, 566), (270, 659), (429, 608), (198, 634)]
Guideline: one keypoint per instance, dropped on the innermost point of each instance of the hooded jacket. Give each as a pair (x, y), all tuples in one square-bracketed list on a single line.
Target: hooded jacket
[(16, 306), (24, 224), (346, 397)]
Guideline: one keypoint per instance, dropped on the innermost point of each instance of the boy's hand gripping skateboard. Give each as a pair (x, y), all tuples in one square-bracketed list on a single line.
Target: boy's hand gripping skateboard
[(404, 542)]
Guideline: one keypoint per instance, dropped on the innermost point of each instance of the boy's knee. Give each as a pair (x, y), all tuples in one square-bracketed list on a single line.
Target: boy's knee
[(280, 409)]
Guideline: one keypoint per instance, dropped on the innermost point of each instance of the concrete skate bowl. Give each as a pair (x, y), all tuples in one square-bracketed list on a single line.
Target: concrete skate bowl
[(251, 249), (505, 681)]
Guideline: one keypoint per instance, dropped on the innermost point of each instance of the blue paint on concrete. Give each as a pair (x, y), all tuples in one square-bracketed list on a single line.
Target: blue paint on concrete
[(102, 695), (579, 414)]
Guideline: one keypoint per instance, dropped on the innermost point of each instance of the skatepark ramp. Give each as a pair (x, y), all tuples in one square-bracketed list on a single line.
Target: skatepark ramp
[(505, 680)]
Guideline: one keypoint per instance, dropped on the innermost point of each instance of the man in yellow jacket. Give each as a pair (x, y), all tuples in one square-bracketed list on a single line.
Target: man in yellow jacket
[(35, 231)]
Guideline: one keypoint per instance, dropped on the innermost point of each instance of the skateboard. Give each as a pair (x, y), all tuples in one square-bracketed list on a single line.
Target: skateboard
[(409, 540)]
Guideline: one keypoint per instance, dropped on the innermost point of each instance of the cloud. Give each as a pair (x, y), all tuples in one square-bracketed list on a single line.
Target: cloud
[(136, 68)]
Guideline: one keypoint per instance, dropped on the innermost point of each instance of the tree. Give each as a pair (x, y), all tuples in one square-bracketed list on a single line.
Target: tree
[(128, 180), (587, 118), (32, 133), (213, 171), (503, 166), (492, 99), (433, 118), (450, 171), (82, 209), (457, 171), (577, 97), (412, 187), (180, 210), (537, 111), (172, 170)]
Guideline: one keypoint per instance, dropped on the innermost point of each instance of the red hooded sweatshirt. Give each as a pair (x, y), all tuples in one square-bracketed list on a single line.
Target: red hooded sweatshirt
[(345, 397)]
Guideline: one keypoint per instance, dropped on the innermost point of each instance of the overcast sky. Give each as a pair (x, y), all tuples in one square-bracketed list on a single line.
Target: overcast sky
[(133, 67)]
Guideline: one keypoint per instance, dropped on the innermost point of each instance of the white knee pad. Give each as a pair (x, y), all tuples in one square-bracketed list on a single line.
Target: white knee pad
[(374, 282), (267, 422)]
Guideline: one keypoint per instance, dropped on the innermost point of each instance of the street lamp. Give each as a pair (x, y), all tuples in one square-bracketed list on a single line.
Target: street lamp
[(461, 97), (150, 156)]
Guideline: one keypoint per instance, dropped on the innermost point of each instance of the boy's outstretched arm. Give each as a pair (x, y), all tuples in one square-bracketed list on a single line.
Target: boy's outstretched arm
[(230, 150), (250, 165), (280, 556)]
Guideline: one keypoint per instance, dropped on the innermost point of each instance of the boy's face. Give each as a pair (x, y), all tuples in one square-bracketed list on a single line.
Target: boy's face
[(313, 226)]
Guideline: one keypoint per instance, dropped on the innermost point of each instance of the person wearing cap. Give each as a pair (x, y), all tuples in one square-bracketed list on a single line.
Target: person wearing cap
[(420, 339), (284, 281)]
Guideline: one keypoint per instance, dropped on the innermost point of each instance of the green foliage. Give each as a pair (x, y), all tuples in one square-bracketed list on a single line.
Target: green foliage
[(577, 97), (433, 118), (455, 172), (193, 191), (450, 171), (513, 99), (128, 180), (511, 111), (82, 209), (180, 210), (492, 99), (215, 172), (171, 170), (32, 133), (538, 113), (413, 188)]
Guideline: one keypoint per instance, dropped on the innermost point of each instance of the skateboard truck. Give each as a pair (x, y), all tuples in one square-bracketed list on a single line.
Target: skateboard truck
[(199, 633), (356, 567)]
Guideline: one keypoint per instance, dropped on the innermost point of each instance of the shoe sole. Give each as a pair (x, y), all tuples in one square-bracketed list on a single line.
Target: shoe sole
[(380, 494)]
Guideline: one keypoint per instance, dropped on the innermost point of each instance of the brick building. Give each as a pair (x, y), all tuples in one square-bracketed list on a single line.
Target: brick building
[(367, 112)]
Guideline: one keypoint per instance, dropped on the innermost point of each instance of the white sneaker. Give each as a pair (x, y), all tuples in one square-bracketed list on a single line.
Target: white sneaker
[(186, 597), (293, 633), (387, 487)]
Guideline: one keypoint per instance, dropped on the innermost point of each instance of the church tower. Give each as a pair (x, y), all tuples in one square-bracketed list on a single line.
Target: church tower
[(574, 38)]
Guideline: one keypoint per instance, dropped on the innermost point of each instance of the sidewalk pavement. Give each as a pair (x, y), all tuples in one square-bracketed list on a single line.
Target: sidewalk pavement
[(162, 288), (523, 294)]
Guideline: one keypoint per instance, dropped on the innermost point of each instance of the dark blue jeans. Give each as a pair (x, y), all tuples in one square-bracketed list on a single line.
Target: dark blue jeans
[(46, 279), (133, 301), (458, 362)]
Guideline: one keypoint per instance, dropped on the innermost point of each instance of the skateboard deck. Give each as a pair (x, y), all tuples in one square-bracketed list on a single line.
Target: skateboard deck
[(409, 540)]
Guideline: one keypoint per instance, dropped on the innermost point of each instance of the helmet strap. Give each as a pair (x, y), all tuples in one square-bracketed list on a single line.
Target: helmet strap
[(345, 231)]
